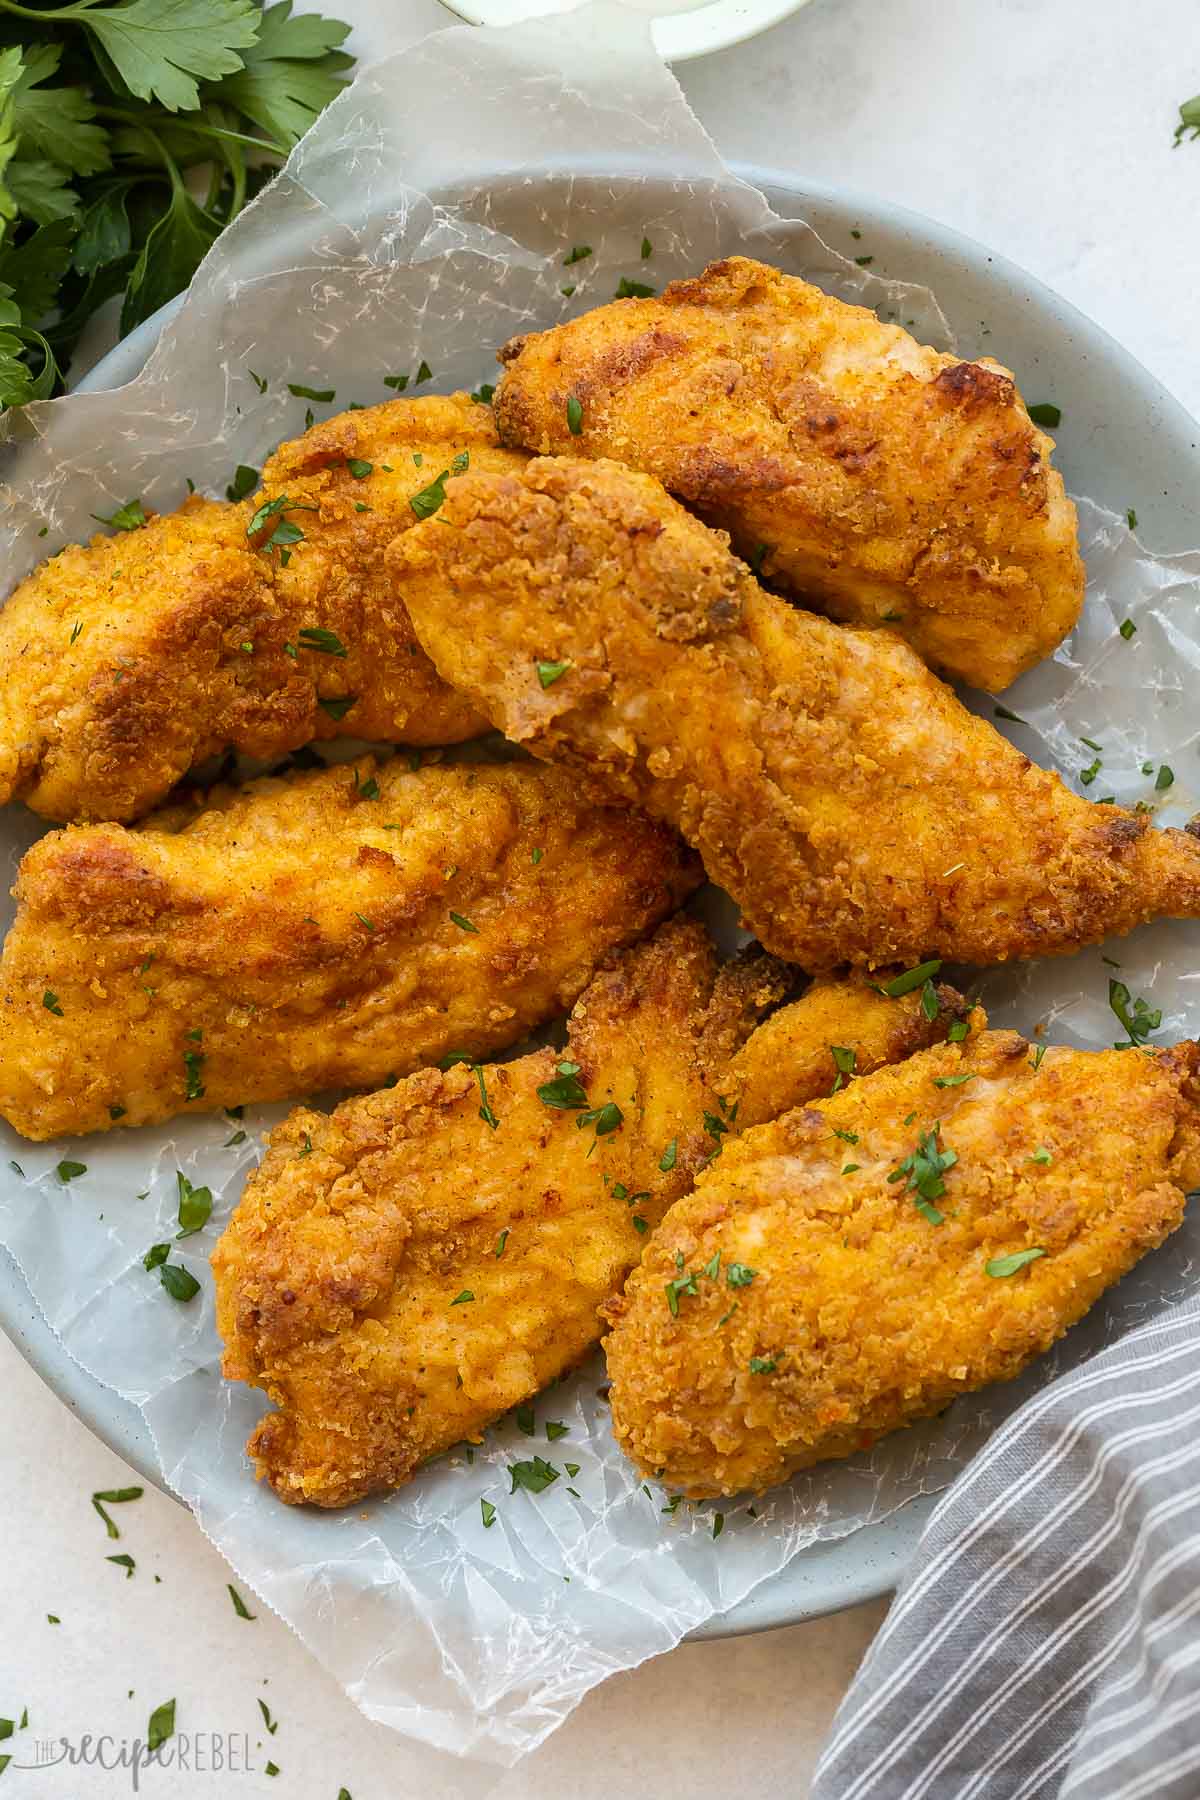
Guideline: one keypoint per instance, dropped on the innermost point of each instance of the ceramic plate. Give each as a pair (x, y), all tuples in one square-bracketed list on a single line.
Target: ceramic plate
[(1121, 435)]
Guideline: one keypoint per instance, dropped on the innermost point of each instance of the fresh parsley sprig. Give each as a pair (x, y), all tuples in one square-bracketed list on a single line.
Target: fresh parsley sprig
[(105, 108)]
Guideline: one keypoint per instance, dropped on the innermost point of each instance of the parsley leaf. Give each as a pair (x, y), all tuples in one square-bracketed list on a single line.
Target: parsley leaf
[(534, 1476), (1138, 1018), (922, 1171), (1000, 1266)]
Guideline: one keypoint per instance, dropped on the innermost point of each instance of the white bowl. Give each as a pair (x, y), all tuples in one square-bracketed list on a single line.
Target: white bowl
[(680, 31)]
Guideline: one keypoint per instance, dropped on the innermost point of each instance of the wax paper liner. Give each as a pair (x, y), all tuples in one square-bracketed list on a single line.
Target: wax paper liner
[(390, 241)]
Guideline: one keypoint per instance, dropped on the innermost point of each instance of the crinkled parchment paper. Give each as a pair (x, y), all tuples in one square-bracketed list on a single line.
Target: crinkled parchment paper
[(384, 244)]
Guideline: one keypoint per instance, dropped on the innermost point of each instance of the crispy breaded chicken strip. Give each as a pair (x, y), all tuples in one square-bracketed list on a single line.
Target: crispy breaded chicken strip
[(126, 661), (854, 809), (330, 930), (428, 1267), (878, 480), (896, 1264)]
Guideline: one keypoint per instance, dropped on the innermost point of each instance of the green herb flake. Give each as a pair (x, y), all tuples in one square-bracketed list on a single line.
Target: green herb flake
[(666, 1161), (579, 253), (864, 262), (1127, 629), (958, 1031), (952, 1081), (484, 394), (574, 415), (463, 924), (161, 1726), (245, 480), (1137, 1016), (1002, 712), (555, 1429), (129, 517), (1046, 413), (647, 249), (179, 1282), (738, 1275), (1000, 1266), (1131, 519), (549, 672), (922, 1171), (1088, 775), (763, 1365), (718, 1524), (683, 1286), (70, 1171), (501, 1241), (50, 1002), (566, 1093), (463, 1299), (1040, 1155), (1164, 779), (326, 643), (195, 1205), (114, 1497), (322, 395), (239, 1605), (338, 708), (912, 979), (633, 290), (535, 1476), (487, 1512)]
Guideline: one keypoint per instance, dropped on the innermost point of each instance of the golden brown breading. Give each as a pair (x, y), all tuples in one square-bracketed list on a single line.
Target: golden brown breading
[(126, 661), (878, 480), (874, 1303), (840, 792), (302, 934), (340, 1277)]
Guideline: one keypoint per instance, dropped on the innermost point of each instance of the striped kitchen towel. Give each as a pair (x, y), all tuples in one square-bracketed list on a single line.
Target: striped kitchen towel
[(1045, 1643)]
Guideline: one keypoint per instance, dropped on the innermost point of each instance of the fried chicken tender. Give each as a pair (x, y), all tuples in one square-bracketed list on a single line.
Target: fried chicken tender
[(126, 661), (330, 930), (880, 481), (839, 791), (440, 1255), (887, 1255)]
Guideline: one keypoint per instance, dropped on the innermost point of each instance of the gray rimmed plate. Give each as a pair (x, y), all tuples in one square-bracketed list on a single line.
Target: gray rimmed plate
[(1122, 440)]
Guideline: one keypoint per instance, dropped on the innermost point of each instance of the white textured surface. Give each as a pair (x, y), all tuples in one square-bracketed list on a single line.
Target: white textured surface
[(1044, 130)]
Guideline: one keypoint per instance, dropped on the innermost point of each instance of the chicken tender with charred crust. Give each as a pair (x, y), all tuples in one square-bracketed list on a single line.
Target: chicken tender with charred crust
[(880, 481)]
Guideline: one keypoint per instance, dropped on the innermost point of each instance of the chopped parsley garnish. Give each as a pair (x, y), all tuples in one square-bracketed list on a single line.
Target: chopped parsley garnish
[(526, 1418), (68, 1170), (536, 855), (487, 1513), (1046, 413), (1138, 1018), (396, 382), (718, 1524), (76, 629), (161, 1726), (129, 517), (922, 1171), (647, 249), (851, 1168), (424, 373), (271, 1724), (315, 637), (338, 708), (1000, 1266), (1002, 712), (50, 1002), (463, 1299), (1040, 1155), (950, 1081), (114, 1497), (259, 381), (116, 1111), (358, 468), (534, 1476), (283, 533), (929, 1001), (762, 1365), (195, 1206), (556, 1429), (484, 394), (606, 1118), (463, 924), (844, 1059), (245, 480), (1088, 775), (125, 1562), (566, 1092), (501, 1241), (156, 1256), (633, 290), (738, 1275), (239, 1605), (549, 672), (1131, 519), (193, 1070), (1036, 1060), (366, 790), (179, 1282), (321, 395), (430, 498), (574, 415), (864, 262), (684, 1284), (666, 1161), (847, 1137), (911, 979), (1164, 779), (579, 253), (1127, 629), (567, 289), (958, 1031)]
